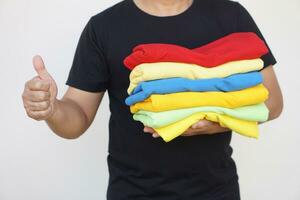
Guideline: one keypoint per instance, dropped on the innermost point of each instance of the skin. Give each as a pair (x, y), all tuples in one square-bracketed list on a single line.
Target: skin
[(70, 116), (76, 109)]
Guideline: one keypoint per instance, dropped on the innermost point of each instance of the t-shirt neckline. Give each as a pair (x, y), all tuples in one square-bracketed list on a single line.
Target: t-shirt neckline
[(141, 12)]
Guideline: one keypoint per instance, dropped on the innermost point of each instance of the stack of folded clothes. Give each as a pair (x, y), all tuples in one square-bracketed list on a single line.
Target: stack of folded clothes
[(173, 87)]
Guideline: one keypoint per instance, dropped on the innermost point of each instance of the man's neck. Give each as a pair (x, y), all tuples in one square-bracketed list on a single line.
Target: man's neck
[(163, 7)]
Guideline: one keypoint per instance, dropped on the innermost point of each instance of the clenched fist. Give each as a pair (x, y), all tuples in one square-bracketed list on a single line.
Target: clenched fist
[(39, 96)]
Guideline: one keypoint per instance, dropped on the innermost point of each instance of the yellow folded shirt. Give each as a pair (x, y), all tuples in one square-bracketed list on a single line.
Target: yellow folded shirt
[(173, 101), (243, 127), (162, 70)]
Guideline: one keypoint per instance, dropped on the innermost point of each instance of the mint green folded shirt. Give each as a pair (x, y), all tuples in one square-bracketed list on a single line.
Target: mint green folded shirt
[(258, 113)]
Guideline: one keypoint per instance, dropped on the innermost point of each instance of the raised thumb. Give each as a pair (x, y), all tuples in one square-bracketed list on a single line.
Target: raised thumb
[(40, 68)]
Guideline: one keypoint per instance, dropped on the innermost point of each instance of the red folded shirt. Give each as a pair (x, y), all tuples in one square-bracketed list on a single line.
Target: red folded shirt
[(233, 47)]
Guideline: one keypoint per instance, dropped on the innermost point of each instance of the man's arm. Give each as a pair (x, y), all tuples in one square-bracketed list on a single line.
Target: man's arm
[(69, 117), (74, 113), (275, 100)]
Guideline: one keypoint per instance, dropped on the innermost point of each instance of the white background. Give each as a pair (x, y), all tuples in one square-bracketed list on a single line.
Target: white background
[(36, 164)]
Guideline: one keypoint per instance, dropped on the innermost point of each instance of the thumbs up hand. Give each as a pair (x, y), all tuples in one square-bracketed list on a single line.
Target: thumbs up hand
[(39, 96)]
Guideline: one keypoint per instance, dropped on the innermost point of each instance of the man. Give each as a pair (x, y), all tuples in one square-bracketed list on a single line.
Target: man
[(195, 166)]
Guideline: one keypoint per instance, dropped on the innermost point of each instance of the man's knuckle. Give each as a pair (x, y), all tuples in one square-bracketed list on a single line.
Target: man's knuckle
[(27, 109), (30, 114), (40, 96), (44, 104), (44, 112), (24, 96), (37, 96), (37, 115), (25, 105), (34, 96), (27, 84), (43, 95), (48, 94), (46, 85), (37, 84)]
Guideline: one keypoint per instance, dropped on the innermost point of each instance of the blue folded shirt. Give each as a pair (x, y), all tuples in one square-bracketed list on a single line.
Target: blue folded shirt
[(166, 86)]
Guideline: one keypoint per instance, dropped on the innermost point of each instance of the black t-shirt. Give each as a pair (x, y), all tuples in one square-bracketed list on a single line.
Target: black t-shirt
[(141, 167)]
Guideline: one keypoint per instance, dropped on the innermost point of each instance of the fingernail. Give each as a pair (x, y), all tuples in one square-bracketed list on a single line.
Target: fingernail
[(201, 123), (194, 126)]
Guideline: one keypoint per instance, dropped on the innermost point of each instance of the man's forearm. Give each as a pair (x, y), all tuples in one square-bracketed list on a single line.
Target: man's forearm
[(275, 109), (275, 100), (68, 120)]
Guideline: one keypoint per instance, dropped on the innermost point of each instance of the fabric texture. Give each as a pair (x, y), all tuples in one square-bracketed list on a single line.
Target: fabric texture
[(243, 127), (162, 70), (233, 47), (166, 86), (158, 102), (258, 112)]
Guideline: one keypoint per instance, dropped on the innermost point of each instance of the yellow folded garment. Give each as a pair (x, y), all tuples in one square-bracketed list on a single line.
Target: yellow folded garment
[(243, 127), (162, 70), (173, 101)]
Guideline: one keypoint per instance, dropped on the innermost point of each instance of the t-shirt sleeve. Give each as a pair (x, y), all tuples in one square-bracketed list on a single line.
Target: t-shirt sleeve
[(247, 24), (89, 70)]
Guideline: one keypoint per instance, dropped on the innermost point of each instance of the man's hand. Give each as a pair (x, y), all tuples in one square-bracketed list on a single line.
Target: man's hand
[(203, 127), (40, 93)]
